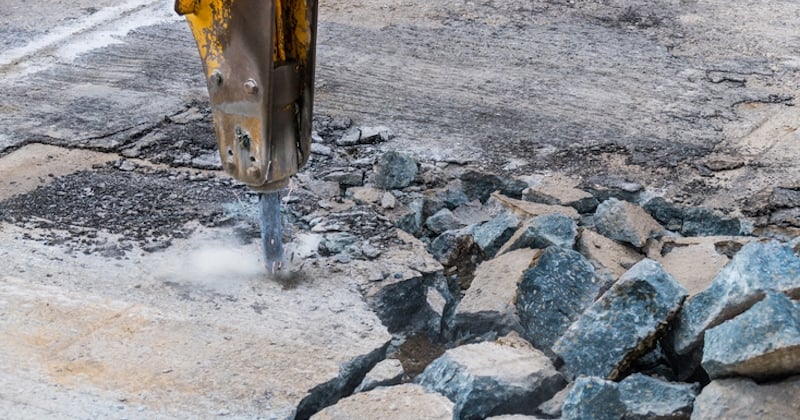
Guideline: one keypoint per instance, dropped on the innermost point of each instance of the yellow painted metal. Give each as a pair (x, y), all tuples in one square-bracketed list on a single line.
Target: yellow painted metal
[(258, 58)]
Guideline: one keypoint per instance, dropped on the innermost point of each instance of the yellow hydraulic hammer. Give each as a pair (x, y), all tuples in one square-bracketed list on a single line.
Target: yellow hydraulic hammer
[(258, 57)]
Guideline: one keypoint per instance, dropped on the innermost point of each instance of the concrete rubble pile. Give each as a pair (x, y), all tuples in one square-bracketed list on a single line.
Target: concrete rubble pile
[(549, 297)]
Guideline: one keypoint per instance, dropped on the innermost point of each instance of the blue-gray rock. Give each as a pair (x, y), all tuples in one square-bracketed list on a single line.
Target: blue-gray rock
[(453, 246), (491, 235), (386, 373), (645, 398), (557, 190), (605, 187), (757, 268), (394, 170), (637, 397), (432, 202), (553, 294), (492, 378), (692, 221), (544, 231), (478, 185), (441, 221), (761, 343), (593, 398), (365, 135), (454, 196), (336, 242), (397, 300), (625, 222), (621, 325), (411, 220)]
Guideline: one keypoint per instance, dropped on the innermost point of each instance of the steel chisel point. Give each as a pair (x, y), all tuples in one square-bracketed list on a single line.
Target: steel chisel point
[(270, 223)]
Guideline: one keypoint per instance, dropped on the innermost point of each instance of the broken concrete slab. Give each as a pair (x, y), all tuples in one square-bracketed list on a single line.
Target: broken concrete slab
[(491, 378), (637, 397), (743, 399), (387, 372), (490, 236), (488, 306), (757, 268), (543, 231), (625, 222), (401, 402), (695, 262), (562, 191), (554, 293), (761, 343), (526, 209), (394, 170), (605, 254), (621, 325)]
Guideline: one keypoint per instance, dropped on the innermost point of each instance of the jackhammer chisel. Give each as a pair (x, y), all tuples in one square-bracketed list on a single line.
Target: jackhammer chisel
[(258, 57)]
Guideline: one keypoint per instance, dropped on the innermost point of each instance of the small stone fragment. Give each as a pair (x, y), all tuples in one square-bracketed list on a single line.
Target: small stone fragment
[(542, 232), (492, 378), (349, 177), (625, 222), (491, 235), (395, 170), (623, 324), (606, 187), (453, 246), (365, 195), (552, 407), (479, 186), (387, 372), (553, 294), (321, 149), (743, 399), (757, 268), (411, 220), (401, 402), (388, 201), (593, 398), (692, 221), (488, 305), (761, 343), (335, 242)]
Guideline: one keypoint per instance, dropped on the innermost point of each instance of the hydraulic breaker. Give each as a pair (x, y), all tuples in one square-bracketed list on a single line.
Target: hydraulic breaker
[(258, 58)]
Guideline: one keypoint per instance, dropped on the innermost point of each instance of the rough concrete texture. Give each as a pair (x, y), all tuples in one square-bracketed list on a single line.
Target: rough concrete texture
[(526, 209), (637, 397), (490, 378), (761, 343), (606, 254), (695, 262), (743, 399), (562, 191), (387, 372), (489, 304), (402, 402), (626, 222), (621, 325), (554, 293), (757, 268), (542, 232)]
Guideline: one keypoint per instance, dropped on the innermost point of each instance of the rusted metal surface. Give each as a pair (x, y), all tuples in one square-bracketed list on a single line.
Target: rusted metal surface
[(258, 57)]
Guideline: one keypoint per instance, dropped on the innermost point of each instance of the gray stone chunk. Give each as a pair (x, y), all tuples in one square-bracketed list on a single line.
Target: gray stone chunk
[(561, 191), (761, 343), (365, 135), (553, 293), (488, 305), (492, 378), (452, 246), (336, 242), (692, 221), (623, 324), (757, 268), (395, 170), (637, 397), (349, 177), (402, 402), (386, 373), (441, 221), (648, 398), (411, 220), (544, 231), (491, 235), (607, 255), (625, 222), (743, 399), (593, 398)]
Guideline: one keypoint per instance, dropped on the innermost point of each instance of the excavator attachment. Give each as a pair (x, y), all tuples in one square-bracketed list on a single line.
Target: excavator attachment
[(258, 58)]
